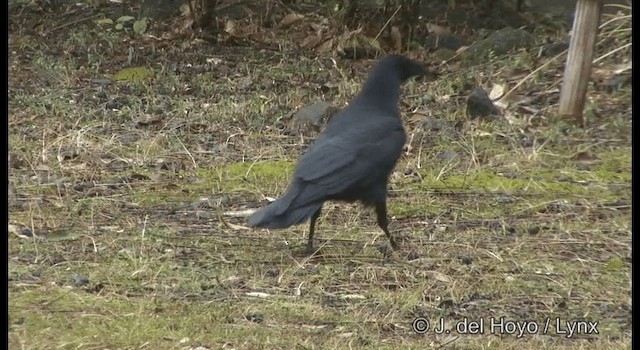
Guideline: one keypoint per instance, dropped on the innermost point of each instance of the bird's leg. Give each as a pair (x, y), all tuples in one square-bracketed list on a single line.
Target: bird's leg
[(312, 228), (383, 222)]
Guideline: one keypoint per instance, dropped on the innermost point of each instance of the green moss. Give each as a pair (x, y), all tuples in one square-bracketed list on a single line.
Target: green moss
[(488, 181), (545, 185), (127, 267), (120, 322), (133, 74), (243, 176), (415, 209), (240, 177), (614, 165)]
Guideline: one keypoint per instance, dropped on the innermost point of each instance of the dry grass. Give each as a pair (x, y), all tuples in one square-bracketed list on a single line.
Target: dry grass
[(134, 193)]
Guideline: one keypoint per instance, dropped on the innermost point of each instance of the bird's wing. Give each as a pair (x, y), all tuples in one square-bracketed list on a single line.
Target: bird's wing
[(337, 162)]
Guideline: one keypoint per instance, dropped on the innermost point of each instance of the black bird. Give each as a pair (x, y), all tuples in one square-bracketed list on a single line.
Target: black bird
[(354, 156)]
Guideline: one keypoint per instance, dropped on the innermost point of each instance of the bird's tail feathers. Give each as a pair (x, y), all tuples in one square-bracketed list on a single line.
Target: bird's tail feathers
[(272, 216)]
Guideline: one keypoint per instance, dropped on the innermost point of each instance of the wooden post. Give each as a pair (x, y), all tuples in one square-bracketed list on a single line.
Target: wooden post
[(577, 70)]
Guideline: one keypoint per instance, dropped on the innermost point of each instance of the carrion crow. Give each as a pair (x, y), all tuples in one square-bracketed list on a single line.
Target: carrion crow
[(354, 156)]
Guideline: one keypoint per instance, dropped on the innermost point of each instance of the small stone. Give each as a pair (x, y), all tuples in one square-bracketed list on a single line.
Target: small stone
[(413, 255), (80, 281), (273, 272), (431, 124), (26, 232), (466, 259), (254, 317), (534, 230), (447, 155), (617, 82), (479, 105), (555, 48), (385, 250), (446, 304), (315, 113)]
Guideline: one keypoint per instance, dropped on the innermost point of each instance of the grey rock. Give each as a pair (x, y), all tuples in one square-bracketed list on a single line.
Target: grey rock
[(479, 105), (466, 259), (80, 281), (26, 232), (432, 124), (316, 113), (443, 41), (499, 43), (447, 155), (555, 48)]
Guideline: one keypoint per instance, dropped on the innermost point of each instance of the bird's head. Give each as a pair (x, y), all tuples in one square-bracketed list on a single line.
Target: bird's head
[(382, 88), (404, 67)]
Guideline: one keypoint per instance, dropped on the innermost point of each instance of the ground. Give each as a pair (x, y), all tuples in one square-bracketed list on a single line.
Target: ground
[(129, 190)]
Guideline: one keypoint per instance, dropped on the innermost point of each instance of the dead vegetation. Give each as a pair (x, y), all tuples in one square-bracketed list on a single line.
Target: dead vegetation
[(135, 155)]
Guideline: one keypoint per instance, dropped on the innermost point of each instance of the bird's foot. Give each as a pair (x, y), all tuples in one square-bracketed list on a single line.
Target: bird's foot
[(386, 250), (394, 245), (309, 250)]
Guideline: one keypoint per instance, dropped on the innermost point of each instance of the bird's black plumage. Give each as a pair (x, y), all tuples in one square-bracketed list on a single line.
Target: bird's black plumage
[(354, 156)]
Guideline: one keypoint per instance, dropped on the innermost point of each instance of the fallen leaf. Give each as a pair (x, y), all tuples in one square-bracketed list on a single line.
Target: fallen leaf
[(436, 29), (240, 213), (461, 49), (289, 20), (497, 91), (103, 21), (140, 26), (258, 294), (125, 19), (231, 27), (396, 38), (353, 296), (311, 41), (326, 46), (440, 276)]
